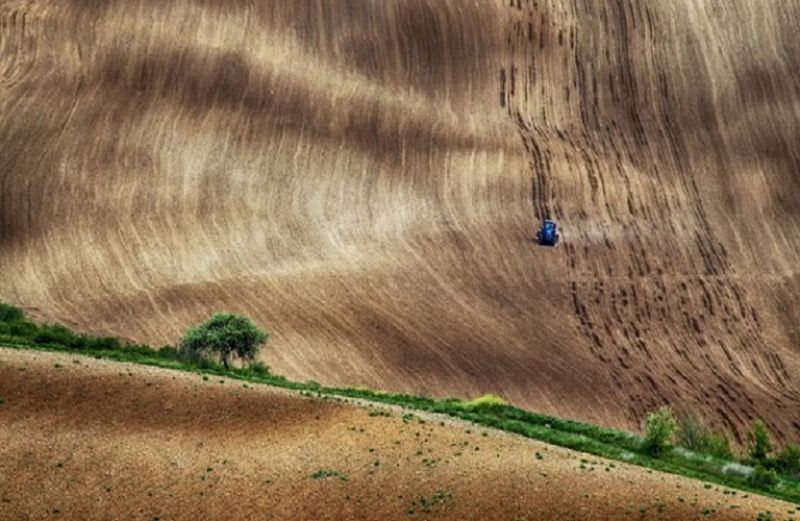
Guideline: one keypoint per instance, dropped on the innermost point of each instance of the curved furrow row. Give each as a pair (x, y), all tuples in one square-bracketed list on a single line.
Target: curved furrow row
[(365, 178)]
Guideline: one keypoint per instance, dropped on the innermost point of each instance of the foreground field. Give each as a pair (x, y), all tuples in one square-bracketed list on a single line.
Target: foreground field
[(89, 439)]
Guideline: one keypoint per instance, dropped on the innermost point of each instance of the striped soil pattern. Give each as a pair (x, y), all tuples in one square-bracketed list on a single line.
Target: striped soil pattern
[(365, 178)]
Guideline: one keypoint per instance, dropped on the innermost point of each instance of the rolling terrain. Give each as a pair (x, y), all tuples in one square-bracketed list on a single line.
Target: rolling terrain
[(88, 439), (364, 180)]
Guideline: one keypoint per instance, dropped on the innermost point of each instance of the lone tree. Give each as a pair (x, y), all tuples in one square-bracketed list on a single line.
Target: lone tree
[(226, 335), (660, 429)]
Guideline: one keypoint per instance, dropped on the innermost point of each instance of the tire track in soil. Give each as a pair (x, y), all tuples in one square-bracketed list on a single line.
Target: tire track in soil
[(691, 342)]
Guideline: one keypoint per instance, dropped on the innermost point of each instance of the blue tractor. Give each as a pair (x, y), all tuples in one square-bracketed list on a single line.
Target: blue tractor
[(548, 233)]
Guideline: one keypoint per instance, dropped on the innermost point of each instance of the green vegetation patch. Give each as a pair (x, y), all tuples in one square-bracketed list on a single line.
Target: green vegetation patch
[(325, 473), (487, 401), (427, 504)]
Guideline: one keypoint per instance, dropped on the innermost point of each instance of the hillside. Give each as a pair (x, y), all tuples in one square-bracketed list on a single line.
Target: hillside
[(88, 439), (364, 179)]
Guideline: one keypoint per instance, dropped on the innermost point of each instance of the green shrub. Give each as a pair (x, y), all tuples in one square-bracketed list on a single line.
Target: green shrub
[(717, 444), (9, 313), (168, 353), (763, 478), (691, 432), (13, 324), (759, 442), (101, 343), (57, 334), (660, 428), (257, 369), (788, 461), (487, 401), (694, 434), (19, 328), (325, 473), (226, 336)]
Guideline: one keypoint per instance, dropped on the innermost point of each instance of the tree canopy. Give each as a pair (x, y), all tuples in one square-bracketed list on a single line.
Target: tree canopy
[(225, 335)]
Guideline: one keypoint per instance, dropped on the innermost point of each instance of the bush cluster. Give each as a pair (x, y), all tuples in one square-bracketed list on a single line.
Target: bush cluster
[(760, 449), (694, 434), (224, 337), (763, 466), (763, 477), (15, 326), (788, 461)]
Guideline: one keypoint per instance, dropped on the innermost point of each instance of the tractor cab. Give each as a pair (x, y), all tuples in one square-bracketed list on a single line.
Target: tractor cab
[(547, 234)]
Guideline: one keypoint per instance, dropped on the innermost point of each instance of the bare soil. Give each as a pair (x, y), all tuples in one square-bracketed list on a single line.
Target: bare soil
[(88, 439), (364, 179)]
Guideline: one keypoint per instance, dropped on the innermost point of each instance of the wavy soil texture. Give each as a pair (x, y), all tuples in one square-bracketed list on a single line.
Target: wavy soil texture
[(365, 178), (84, 439)]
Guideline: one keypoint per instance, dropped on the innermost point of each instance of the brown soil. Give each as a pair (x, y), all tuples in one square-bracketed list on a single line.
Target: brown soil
[(87, 439), (364, 179)]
